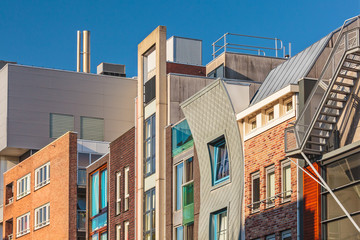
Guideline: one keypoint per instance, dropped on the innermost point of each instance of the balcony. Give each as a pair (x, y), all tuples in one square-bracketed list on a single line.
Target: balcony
[(81, 219), (188, 203)]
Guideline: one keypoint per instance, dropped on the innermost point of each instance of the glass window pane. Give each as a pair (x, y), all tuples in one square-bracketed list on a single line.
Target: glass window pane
[(95, 237), (179, 182), (256, 192), (104, 188), (349, 197), (103, 236), (94, 194), (180, 233), (342, 229), (221, 226), (99, 222), (95, 157), (189, 169), (344, 171)]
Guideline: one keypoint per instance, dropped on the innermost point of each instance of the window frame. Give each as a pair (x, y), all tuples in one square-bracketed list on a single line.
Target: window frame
[(285, 234), (176, 187), (47, 216), (252, 126), (118, 193), (270, 237), (215, 145), (286, 102), (255, 175), (285, 196), (28, 184), (270, 200), (151, 211), (126, 188), (44, 182), (152, 139), (126, 230), (23, 232), (118, 231), (268, 112), (213, 225)]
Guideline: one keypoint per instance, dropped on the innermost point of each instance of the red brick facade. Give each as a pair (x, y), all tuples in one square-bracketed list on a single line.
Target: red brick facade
[(122, 155), (262, 151)]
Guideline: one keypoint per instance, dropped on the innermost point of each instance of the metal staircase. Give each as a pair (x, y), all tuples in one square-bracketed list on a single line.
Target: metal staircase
[(326, 103)]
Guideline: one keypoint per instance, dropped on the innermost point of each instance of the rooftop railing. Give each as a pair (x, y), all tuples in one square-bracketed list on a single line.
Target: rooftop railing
[(233, 42)]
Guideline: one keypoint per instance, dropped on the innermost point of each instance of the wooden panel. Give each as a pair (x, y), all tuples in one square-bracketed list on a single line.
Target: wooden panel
[(312, 208)]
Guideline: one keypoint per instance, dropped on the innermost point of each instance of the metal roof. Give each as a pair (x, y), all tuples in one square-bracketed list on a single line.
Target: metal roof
[(291, 71)]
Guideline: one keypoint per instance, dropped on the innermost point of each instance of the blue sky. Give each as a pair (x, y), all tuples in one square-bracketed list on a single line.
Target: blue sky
[(43, 33)]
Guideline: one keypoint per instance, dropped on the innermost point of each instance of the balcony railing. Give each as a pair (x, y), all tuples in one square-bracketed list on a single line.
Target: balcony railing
[(9, 201)]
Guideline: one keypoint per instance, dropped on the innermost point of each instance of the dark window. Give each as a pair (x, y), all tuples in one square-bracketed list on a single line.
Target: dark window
[(149, 215), (217, 72), (219, 160), (149, 90), (149, 145), (255, 191)]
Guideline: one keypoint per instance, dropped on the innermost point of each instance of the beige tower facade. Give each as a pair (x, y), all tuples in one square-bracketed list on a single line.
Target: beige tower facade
[(151, 121)]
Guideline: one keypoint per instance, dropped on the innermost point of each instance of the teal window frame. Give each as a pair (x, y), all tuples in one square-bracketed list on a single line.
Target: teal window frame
[(217, 161), (214, 224)]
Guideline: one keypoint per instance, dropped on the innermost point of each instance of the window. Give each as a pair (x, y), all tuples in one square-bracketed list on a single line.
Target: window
[(252, 123), (92, 128), (150, 145), (42, 175), (118, 232), (84, 160), (286, 180), (60, 124), (126, 190), (270, 237), (9, 194), (286, 235), (179, 182), (81, 212), (98, 203), (149, 64), (118, 192), (217, 72), (219, 160), (23, 225), (269, 114), (179, 233), (189, 166), (23, 186), (181, 138), (343, 177), (189, 231), (255, 200), (288, 104), (149, 215), (219, 225), (42, 216), (270, 186), (126, 230)]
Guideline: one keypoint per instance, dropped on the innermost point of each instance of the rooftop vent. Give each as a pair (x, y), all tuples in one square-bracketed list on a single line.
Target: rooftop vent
[(111, 69)]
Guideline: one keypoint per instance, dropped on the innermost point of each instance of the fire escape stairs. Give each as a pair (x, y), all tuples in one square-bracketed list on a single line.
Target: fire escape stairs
[(324, 107)]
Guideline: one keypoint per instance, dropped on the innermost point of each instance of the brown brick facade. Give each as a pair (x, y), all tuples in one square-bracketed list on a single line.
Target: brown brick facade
[(60, 192), (262, 151), (122, 155), (172, 67)]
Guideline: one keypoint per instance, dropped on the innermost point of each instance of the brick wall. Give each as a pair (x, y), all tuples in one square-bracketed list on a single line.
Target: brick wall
[(169, 184), (196, 194), (122, 154), (60, 192), (261, 151)]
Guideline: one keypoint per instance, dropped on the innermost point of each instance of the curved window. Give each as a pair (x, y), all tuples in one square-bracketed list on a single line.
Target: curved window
[(219, 160)]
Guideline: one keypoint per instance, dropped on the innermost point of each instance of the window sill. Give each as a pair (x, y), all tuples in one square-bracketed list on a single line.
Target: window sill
[(221, 184), (42, 225), (43, 184), (18, 197), (284, 201), (23, 234)]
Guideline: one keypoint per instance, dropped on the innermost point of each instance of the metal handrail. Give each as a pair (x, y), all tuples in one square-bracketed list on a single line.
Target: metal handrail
[(325, 68), (258, 49), (269, 198)]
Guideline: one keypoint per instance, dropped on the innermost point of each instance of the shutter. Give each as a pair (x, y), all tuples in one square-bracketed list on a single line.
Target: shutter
[(92, 128), (60, 124)]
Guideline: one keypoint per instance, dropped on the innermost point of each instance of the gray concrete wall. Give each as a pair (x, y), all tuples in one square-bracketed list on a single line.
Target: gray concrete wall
[(34, 93), (3, 105), (210, 114), (180, 88)]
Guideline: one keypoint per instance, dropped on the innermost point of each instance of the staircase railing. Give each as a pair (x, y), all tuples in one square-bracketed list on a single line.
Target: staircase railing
[(307, 118)]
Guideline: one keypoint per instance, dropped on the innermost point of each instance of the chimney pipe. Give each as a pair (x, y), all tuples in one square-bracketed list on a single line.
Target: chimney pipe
[(78, 51), (86, 51)]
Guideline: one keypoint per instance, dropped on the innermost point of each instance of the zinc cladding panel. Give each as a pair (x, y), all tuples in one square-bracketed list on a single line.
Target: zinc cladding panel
[(291, 71), (60, 124), (92, 128)]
